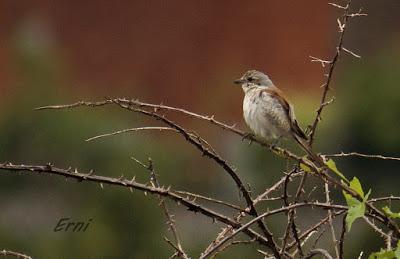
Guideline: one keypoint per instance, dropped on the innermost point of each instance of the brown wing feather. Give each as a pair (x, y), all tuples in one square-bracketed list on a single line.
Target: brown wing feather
[(280, 96)]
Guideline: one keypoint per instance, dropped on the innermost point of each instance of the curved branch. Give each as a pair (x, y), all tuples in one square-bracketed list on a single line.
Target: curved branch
[(16, 254), (132, 184)]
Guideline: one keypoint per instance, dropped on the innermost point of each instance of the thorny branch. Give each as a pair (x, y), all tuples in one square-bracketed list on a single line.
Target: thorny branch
[(131, 185), (14, 254), (294, 237), (342, 24), (180, 252), (356, 154), (317, 165), (332, 229)]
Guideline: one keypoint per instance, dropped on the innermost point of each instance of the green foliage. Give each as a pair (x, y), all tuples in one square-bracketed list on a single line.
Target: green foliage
[(332, 165), (390, 213), (305, 167), (387, 254), (356, 208)]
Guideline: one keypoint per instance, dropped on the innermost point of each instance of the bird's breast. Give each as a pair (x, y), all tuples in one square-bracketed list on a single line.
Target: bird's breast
[(264, 115)]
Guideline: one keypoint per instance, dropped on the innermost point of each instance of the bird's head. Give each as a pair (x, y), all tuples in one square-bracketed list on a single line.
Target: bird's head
[(253, 78)]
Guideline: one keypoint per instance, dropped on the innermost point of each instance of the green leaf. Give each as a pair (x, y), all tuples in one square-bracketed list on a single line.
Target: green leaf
[(383, 254), (350, 200), (305, 167), (390, 213), (354, 212), (356, 186), (331, 165), (397, 251), (356, 208), (386, 254), (367, 195)]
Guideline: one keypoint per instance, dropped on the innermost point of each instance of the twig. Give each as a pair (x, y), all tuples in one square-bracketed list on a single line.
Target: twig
[(319, 169), (377, 229), (185, 193), (16, 254), (131, 130), (170, 221), (318, 251), (269, 213), (273, 188), (315, 227), (351, 52), (342, 234), (323, 62), (132, 184), (334, 240), (356, 154), (215, 157), (227, 230), (390, 198), (236, 242), (291, 214), (155, 107), (332, 64), (230, 205)]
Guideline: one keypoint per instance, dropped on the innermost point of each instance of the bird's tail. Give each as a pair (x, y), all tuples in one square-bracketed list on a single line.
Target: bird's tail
[(303, 142), (301, 138)]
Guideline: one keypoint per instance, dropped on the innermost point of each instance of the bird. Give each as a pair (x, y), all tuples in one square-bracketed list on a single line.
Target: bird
[(267, 111)]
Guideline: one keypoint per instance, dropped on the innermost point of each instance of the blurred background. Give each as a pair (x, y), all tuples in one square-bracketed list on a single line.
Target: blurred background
[(185, 54)]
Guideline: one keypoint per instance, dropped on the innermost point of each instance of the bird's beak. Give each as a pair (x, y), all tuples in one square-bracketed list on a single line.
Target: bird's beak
[(239, 81)]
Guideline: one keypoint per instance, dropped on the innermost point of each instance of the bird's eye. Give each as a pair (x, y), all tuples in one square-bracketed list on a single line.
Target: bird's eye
[(250, 79)]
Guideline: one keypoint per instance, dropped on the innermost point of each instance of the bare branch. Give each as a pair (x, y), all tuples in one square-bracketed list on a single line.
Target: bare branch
[(269, 213), (351, 52), (318, 251), (314, 228), (321, 61), (215, 157), (15, 254), (339, 6), (390, 198), (183, 193), (131, 130), (356, 154), (376, 228), (341, 240), (170, 221), (192, 206), (316, 163), (334, 240), (155, 107), (332, 64)]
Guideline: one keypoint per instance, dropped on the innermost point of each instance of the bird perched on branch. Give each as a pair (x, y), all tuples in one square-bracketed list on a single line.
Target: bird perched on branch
[(267, 111)]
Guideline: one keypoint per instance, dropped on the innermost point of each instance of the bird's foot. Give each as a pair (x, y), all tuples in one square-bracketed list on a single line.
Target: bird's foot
[(248, 136), (274, 144)]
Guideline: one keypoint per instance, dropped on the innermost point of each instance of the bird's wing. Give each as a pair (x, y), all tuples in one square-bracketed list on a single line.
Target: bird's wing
[(278, 95)]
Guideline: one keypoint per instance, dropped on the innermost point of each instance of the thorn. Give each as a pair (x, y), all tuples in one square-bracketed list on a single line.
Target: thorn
[(351, 52), (101, 185), (49, 166), (339, 6), (341, 26)]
